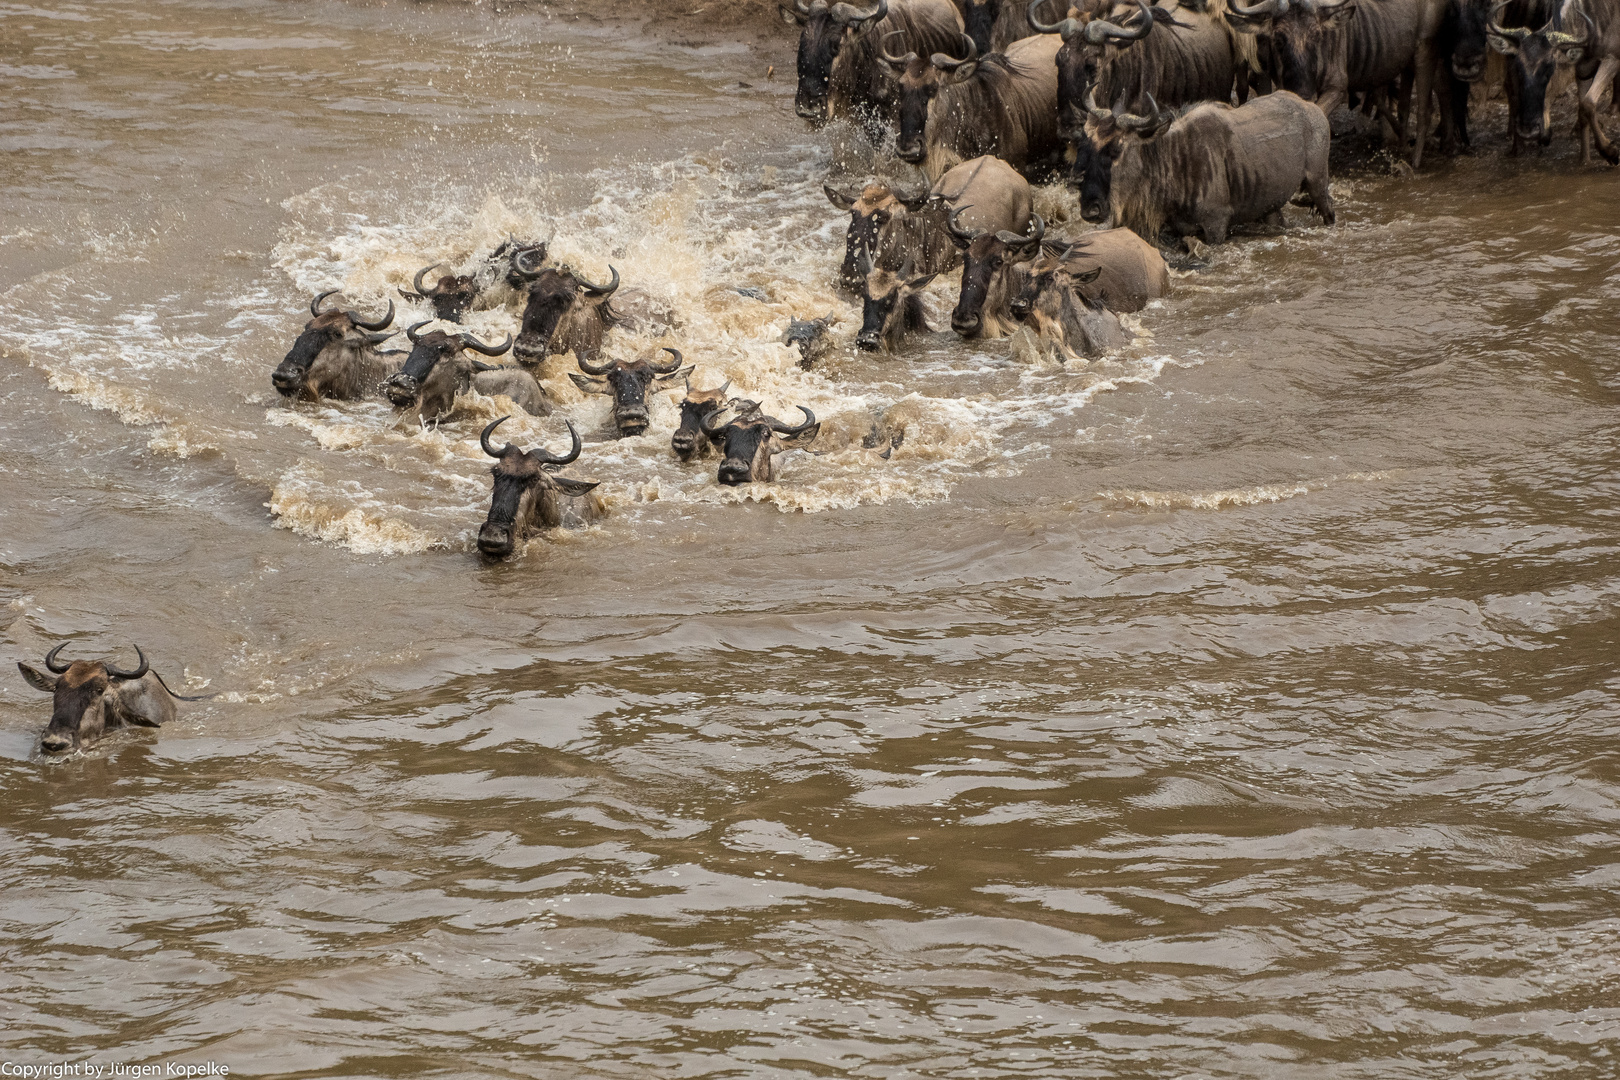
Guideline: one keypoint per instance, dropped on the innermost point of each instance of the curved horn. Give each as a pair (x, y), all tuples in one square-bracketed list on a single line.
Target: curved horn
[(1037, 227), (1100, 31), (120, 673), (416, 282), (897, 61), (410, 331), (376, 324), (674, 366), (1266, 9), (950, 63), (592, 369), (315, 304), (1097, 113), (470, 342), (546, 457), (1140, 124), (1322, 6), (1559, 39), (849, 14), (956, 230), (50, 660), (1066, 27), (600, 290), (782, 429), (483, 438), (520, 262)]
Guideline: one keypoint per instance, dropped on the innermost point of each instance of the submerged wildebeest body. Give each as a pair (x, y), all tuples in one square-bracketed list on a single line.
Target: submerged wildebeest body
[(750, 441), (564, 313), (1213, 167), (91, 696), (1582, 33), (893, 229), (689, 442), (839, 72), (1001, 104), (1055, 302), (437, 370), (529, 495), (628, 382), (336, 356)]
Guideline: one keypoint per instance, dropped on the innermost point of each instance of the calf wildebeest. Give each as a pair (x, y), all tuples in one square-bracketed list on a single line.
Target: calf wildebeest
[(530, 495), (810, 337), (450, 296), (91, 696), (1585, 33), (1003, 104), (437, 370), (839, 73), (564, 312), (336, 356), (1056, 303), (698, 406), (628, 382), (892, 228), (891, 307), (1213, 167), (751, 440)]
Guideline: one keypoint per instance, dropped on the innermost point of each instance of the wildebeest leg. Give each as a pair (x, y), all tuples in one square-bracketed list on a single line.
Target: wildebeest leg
[(1511, 92), (1423, 87), (1240, 82), (1215, 223), (1317, 184), (1591, 94)]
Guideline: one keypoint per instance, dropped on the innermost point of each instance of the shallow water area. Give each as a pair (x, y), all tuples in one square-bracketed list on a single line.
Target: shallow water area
[(1240, 704)]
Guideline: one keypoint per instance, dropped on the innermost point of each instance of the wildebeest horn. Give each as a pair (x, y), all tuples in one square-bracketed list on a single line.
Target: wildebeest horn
[(1321, 6), (600, 290), (520, 262), (470, 342), (1140, 124), (1066, 27), (416, 282), (706, 423), (410, 331), (1098, 114), (315, 304), (957, 230), (546, 457), (1559, 39), (848, 14), (376, 324), (592, 369), (674, 365), (50, 660), (120, 673), (897, 61), (1513, 33), (483, 438), (911, 202), (1100, 31), (950, 63), (1266, 9), (1037, 230), (782, 429), (839, 198)]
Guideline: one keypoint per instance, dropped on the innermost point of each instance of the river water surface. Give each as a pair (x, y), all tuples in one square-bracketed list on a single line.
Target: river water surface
[(1239, 705)]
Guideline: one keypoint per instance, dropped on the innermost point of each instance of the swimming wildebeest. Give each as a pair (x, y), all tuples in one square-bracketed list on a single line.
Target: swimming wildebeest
[(450, 296), (437, 370), (529, 495), (751, 440), (628, 382), (810, 337), (988, 281), (564, 312), (1584, 33), (336, 356), (699, 405), (1213, 167), (839, 73), (891, 307), (93, 695)]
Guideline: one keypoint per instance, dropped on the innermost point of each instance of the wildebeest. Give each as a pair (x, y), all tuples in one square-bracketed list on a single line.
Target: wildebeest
[(437, 370), (336, 356), (995, 24), (687, 442), (91, 696), (530, 495), (1055, 302), (1003, 104), (893, 228), (839, 73), (564, 312), (1585, 33), (1462, 47), (751, 440), (891, 307), (987, 283), (1213, 167), (810, 337), (628, 382), (450, 296)]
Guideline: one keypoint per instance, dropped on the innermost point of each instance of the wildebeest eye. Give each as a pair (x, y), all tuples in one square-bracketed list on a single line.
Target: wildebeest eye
[(881, 217)]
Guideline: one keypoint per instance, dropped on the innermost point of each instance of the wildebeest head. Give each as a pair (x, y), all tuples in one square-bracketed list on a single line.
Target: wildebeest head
[(553, 294), (1533, 57), (503, 260), (1055, 303), (875, 216), (1108, 132), (750, 441), (892, 305), (450, 296), (88, 695), (427, 381), (1306, 36), (328, 330), (1080, 60), (920, 82), (628, 381), (698, 406), (1468, 37), (829, 28), (527, 491), (809, 336), (985, 256)]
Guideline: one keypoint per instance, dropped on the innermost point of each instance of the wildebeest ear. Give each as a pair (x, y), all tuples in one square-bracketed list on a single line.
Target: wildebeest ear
[(669, 382), (917, 284), (838, 198), (1340, 15), (37, 678), (590, 385), (800, 441), (1087, 277), (574, 487)]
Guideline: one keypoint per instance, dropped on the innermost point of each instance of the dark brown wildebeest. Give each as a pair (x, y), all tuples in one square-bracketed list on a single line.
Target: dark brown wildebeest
[(1002, 104), (891, 308), (988, 283), (1213, 167), (893, 229), (995, 24), (1056, 303), (336, 356), (529, 495), (698, 406), (750, 441), (839, 73), (1462, 46), (564, 312), (1584, 33), (437, 370), (628, 382), (91, 696), (450, 296)]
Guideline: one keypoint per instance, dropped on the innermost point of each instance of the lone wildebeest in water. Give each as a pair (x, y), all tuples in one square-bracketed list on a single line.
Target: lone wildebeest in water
[(93, 695), (529, 495)]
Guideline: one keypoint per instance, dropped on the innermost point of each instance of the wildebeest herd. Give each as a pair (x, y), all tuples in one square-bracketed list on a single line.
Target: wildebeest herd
[(1174, 121)]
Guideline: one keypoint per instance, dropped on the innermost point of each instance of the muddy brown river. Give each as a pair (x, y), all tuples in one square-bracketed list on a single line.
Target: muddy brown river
[(1242, 704)]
